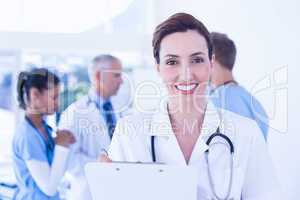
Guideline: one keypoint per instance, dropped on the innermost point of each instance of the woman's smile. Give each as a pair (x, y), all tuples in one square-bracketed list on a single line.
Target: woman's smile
[(186, 88)]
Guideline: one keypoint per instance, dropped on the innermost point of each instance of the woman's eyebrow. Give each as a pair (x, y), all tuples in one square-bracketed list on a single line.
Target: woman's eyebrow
[(171, 55), (197, 53)]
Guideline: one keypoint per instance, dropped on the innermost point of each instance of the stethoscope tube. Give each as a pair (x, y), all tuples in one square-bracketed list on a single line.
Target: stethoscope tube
[(211, 182), (153, 149), (219, 134)]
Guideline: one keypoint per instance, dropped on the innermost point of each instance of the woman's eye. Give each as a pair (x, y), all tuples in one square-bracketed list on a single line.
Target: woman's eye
[(198, 60), (171, 62)]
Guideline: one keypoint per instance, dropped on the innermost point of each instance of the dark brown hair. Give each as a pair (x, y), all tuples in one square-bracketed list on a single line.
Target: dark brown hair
[(224, 50), (40, 78), (180, 22)]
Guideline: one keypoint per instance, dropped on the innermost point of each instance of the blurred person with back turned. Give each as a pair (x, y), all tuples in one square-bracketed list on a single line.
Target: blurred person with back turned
[(227, 93), (92, 119)]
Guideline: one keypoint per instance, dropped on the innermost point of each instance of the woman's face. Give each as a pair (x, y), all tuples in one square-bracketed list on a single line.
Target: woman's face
[(45, 101), (185, 65)]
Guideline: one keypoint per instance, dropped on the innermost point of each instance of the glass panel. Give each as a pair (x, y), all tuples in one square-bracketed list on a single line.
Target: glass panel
[(7, 114)]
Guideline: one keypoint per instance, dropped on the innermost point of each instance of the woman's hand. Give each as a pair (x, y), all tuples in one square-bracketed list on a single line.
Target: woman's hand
[(64, 138), (104, 158)]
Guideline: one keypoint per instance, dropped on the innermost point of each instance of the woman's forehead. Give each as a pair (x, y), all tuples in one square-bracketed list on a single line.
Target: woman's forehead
[(183, 44)]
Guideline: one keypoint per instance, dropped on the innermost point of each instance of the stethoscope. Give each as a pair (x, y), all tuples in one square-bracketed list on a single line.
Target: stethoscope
[(90, 100), (208, 142), (50, 144)]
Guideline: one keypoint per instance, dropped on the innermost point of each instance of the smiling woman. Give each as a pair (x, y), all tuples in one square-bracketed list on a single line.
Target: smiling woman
[(188, 122), (185, 67)]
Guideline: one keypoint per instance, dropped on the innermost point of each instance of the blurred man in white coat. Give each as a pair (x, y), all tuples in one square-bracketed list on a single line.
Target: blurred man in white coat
[(92, 119)]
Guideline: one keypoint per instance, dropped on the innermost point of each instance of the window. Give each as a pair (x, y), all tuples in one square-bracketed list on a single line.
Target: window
[(7, 114)]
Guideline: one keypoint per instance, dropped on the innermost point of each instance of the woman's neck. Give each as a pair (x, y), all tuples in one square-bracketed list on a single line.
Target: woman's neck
[(187, 117), (36, 119)]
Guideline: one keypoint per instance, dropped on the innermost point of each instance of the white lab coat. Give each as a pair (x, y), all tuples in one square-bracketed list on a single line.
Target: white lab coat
[(88, 125), (254, 177)]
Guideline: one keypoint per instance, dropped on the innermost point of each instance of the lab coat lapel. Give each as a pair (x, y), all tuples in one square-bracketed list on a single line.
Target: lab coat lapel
[(94, 102), (166, 144), (95, 118), (96, 114), (211, 121), (210, 124)]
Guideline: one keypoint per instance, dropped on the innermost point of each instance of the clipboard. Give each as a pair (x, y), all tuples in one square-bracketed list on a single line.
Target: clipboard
[(136, 181)]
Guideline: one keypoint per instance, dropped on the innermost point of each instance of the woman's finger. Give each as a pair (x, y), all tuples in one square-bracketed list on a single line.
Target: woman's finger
[(104, 158)]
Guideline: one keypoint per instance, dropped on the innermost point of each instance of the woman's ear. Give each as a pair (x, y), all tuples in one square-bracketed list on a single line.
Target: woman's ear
[(34, 93), (212, 61), (33, 97), (157, 67)]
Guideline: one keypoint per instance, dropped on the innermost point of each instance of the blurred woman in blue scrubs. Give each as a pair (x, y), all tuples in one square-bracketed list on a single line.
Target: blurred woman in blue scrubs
[(39, 159)]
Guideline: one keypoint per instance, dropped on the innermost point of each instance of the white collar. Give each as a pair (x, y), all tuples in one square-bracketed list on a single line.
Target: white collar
[(96, 98)]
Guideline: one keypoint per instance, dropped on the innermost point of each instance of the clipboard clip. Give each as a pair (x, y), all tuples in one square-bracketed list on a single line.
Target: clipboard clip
[(138, 162)]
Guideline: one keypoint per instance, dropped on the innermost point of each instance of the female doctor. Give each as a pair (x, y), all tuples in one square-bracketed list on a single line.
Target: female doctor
[(39, 160), (235, 165)]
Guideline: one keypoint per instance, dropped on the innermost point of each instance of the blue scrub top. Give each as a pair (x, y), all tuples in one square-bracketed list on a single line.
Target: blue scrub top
[(238, 100), (28, 144)]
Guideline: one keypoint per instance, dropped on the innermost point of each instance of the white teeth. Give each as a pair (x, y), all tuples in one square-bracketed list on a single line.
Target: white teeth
[(186, 87)]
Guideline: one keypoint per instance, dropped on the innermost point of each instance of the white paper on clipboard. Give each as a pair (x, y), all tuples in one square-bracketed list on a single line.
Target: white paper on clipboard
[(128, 181)]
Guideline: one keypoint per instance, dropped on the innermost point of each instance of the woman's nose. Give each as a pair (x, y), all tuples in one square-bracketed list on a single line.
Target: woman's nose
[(185, 71)]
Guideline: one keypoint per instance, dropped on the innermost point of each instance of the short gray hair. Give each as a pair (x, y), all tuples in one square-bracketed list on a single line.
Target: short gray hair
[(101, 62)]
